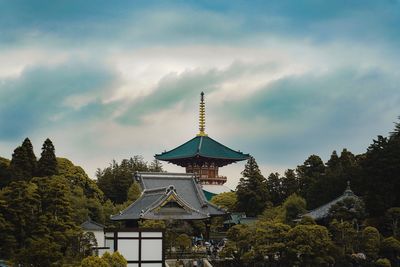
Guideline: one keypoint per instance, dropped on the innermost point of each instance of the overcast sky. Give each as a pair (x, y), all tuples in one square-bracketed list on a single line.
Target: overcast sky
[(283, 79)]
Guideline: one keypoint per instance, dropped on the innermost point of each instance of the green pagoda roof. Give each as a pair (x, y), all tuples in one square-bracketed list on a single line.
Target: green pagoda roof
[(202, 149)]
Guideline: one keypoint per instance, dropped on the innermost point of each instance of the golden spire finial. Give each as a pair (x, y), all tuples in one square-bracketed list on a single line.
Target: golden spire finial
[(202, 116)]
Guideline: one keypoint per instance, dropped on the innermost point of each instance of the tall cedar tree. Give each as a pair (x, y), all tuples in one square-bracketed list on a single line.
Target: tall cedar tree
[(310, 173), (47, 164), (23, 162), (252, 191), (116, 179), (4, 172)]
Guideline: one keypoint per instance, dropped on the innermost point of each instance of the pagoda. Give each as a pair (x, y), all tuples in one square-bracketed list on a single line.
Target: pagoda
[(203, 156)]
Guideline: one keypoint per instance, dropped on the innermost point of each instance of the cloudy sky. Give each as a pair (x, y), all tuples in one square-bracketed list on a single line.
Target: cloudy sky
[(283, 79)]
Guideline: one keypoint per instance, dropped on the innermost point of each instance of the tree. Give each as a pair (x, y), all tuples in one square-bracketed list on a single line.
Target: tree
[(393, 219), (87, 241), (391, 248), (312, 170), (349, 209), (293, 207), (381, 166), (8, 242), (55, 217), (134, 192), (383, 263), (252, 191), (183, 242), (4, 172), (47, 164), (290, 184), (21, 207), (41, 252), (344, 235), (309, 245), (155, 166), (270, 241), (371, 240), (116, 179), (227, 200), (274, 186), (115, 259), (23, 162), (239, 244), (94, 261)]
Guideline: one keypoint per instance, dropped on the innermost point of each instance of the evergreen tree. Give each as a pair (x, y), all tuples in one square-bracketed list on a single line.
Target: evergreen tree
[(290, 184), (293, 207), (252, 191), (312, 170), (379, 178), (274, 186), (4, 172), (155, 166), (116, 179), (23, 162), (47, 164)]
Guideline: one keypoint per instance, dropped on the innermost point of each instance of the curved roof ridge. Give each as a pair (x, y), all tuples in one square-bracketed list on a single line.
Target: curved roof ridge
[(323, 208)]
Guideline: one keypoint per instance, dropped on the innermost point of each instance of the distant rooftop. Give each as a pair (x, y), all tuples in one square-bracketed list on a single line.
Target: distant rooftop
[(323, 211), (169, 196), (92, 225)]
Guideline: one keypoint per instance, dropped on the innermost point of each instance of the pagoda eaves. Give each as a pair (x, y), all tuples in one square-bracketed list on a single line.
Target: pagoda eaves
[(202, 149)]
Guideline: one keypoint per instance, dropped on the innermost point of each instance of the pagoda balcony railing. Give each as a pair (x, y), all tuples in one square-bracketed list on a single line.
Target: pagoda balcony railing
[(218, 178)]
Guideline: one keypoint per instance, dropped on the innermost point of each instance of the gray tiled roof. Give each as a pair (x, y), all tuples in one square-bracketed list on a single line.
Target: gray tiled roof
[(92, 225), (323, 211), (157, 187)]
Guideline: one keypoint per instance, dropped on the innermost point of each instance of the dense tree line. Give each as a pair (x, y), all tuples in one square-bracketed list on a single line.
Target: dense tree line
[(115, 179), (361, 233), (43, 202)]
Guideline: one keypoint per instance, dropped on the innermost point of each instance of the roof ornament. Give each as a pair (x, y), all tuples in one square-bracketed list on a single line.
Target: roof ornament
[(348, 191), (202, 116)]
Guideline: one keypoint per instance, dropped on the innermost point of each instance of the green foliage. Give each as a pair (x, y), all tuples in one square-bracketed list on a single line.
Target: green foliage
[(41, 252), (238, 245), (87, 242), (134, 192), (391, 248), (371, 240), (116, 179), (152, 224), (379, 179), (344, 235), (184, 242), (107, 260), (227, 200), (115, 259), (47, 164), (293, 206), (23, 162), (270, 240), (155, 166), (86, 198), (280, 188), (252, 192), (77, 177), (383, 263), (309, 245), (349, 209), (306, 220), (4, 172), (392, 217), (312, 170), (94, 261)]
